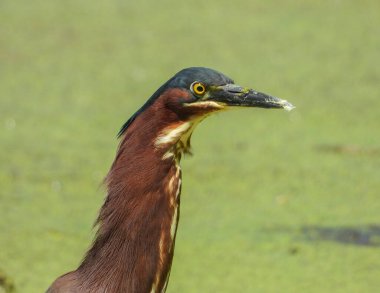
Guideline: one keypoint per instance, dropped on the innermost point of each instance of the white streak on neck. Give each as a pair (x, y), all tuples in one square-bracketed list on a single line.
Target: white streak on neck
[(178, 188), (160, 263), (172, 135), (173, 226)]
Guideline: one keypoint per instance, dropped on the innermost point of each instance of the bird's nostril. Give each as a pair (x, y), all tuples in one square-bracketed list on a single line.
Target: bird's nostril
[(234, 89)]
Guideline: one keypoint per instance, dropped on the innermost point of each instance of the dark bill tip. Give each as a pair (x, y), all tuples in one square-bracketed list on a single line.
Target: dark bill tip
[(234, 95), (266, 101)]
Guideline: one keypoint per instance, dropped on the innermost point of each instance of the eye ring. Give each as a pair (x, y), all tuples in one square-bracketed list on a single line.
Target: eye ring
[(198, 88)]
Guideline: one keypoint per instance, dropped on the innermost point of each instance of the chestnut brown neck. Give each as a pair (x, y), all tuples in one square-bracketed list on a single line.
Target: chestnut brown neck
[(133, 248)]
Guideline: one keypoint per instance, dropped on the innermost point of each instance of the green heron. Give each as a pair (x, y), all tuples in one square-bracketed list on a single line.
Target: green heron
[(133, 248)]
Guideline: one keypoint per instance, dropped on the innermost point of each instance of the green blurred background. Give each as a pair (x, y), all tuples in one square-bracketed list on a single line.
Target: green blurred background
[(271, 202)]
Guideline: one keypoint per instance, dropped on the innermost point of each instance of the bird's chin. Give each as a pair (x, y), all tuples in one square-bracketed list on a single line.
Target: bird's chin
[(206, 105)]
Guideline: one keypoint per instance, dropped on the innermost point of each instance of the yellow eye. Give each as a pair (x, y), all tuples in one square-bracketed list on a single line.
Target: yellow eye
[(198, 88)]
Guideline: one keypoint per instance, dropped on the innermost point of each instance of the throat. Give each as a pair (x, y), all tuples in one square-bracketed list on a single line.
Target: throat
[(175, 139)]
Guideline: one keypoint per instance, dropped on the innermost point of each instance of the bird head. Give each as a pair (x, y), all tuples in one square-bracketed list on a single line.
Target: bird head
[(206, 90), (195, 92)]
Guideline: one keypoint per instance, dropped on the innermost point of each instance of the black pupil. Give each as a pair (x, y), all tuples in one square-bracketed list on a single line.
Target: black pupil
[(200, 88)]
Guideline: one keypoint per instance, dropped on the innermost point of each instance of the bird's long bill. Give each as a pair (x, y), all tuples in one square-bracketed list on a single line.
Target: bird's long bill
[(234, 95)]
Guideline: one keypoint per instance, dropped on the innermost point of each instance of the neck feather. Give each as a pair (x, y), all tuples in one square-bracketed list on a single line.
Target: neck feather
[(137, 224)]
